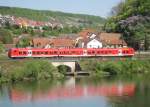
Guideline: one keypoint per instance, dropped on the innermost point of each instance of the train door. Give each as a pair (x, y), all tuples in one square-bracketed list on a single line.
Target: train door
[(29, 53), (84, 52), (120, 52)]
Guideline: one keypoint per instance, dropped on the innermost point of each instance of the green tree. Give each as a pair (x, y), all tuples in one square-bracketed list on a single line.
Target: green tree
[(6, 36), (132, 18), (24, 42), (1, 48)]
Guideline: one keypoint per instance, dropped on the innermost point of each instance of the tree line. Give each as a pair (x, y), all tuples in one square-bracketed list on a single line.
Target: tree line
[(132, 19)]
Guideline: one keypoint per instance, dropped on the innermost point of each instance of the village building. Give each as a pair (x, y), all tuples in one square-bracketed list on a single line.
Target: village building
[(112, 40), (52, 43), (94, 43), (62, 43), (40, 42), (84, 33), (91, 39)]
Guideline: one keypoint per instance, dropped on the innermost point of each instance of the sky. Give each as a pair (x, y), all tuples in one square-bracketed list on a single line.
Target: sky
[(92, 7)]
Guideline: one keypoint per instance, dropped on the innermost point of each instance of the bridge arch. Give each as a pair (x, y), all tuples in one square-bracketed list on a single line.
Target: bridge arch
[(69, 65), (64, 69)]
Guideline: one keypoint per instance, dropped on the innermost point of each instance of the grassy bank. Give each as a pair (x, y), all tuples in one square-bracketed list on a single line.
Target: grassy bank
[(40, 69), (20, 70), (129, 67)]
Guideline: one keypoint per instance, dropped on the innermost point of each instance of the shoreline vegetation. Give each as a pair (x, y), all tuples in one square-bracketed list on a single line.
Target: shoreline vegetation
[(126, 67), (41, 69), (22, 70)]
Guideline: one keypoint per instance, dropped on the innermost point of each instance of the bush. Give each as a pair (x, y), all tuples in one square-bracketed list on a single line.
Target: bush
[(33, 70), (128, 67), (6, 36), (111, 68), (1, 48), (24, 42), (39, 70)]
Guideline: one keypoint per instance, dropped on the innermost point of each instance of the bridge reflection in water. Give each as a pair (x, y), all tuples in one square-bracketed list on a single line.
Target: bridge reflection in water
[(71, 90)]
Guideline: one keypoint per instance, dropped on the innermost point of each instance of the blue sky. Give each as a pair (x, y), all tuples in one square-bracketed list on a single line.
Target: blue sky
[(92, 7)]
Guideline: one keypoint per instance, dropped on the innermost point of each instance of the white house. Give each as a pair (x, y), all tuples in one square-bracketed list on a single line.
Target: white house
[(94, 44)]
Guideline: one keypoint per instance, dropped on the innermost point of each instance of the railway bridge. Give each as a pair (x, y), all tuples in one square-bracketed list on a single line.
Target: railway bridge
[(70, 64), (73, 65)]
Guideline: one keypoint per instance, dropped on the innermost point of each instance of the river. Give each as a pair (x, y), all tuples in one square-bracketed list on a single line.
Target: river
[(77, 92)]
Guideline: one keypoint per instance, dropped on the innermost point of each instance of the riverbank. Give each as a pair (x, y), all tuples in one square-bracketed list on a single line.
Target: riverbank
[(126, 67), (41, 69), (20, 70)]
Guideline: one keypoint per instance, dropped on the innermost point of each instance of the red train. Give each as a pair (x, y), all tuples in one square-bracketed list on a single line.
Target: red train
[(74, 52)]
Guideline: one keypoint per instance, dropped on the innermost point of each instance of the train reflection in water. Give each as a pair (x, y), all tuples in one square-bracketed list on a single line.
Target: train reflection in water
[(74, 91)]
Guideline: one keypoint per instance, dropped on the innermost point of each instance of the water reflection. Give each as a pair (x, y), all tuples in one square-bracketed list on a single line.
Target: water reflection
[(71, 90), (79, 92)]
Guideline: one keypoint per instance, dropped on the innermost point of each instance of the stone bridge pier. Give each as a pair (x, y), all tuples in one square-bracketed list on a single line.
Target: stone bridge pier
[(72, 65)]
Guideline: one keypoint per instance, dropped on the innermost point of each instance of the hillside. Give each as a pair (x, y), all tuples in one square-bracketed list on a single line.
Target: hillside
[(64, 18)]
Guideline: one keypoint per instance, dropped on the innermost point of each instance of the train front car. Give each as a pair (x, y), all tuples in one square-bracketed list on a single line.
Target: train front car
[(18, 53)]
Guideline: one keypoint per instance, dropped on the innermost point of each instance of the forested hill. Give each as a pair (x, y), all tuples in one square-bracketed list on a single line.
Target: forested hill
[(44, 15)]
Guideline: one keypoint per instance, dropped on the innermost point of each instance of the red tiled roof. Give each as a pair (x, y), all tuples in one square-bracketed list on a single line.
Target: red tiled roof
[(62, 42), (40, 42), (112, 38), (84, 33)]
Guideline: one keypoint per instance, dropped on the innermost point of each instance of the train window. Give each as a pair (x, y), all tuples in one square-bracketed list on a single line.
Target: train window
[(66, 52), (93, 52), (38, 52), (55, 52), (110, 52), (46, 52), (20, 52), (89, 52), (33, 52), (24, 52)]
